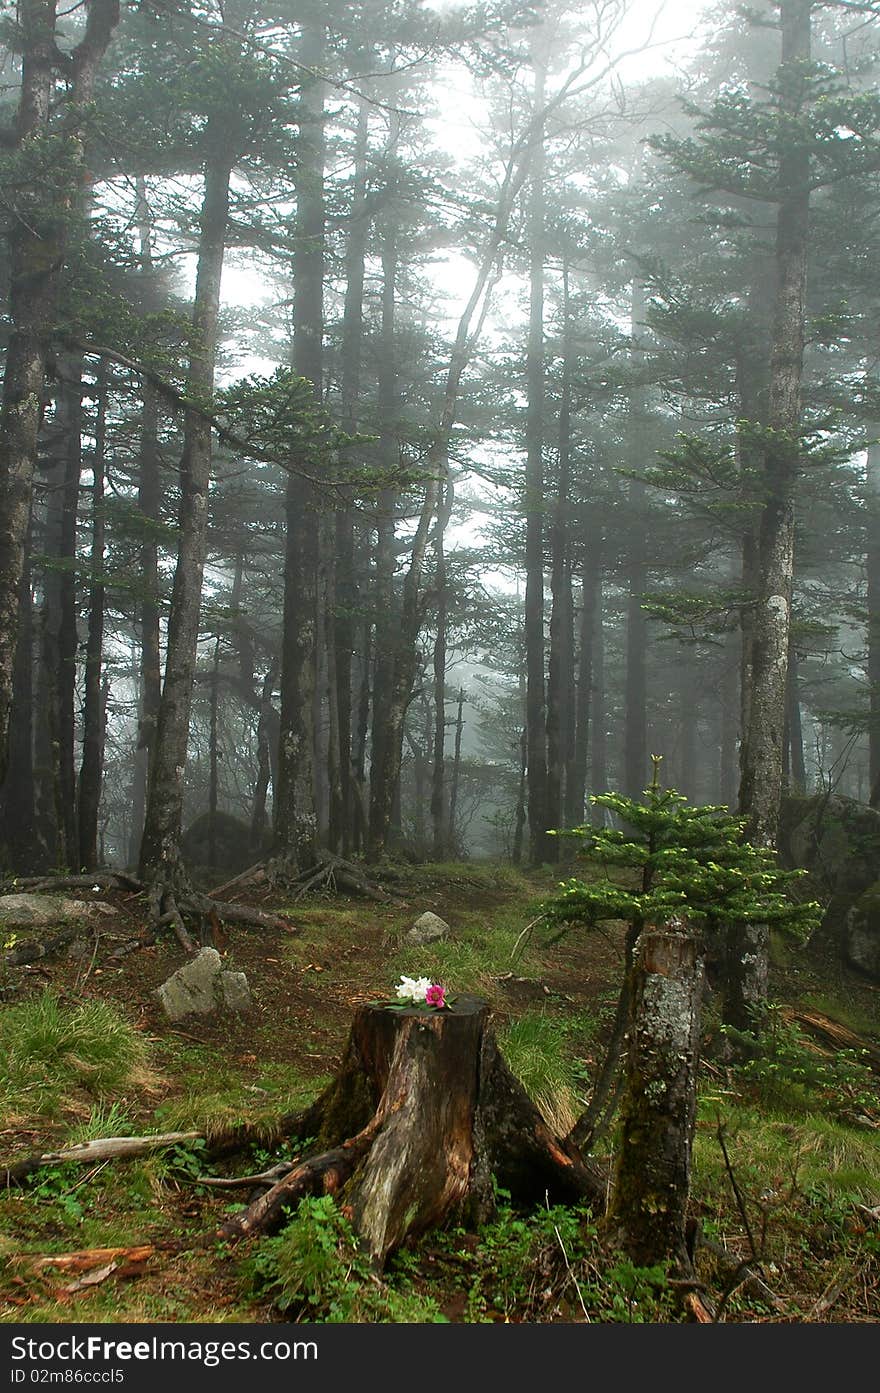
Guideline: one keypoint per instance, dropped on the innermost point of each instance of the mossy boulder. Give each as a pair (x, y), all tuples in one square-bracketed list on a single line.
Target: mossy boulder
[(231, 851), (862, 939), (837, 840)]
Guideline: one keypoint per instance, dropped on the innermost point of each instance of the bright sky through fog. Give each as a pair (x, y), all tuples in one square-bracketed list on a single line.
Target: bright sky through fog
[(655, 35)]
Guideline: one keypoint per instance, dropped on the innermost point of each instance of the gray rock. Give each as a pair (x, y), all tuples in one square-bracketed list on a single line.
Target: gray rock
[(862, 941), (203, 985), (836, 839), (41, 911), (427, 929)]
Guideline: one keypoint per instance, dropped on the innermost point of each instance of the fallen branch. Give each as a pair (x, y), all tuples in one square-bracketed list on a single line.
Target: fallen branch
[(835, 1035), (103, 1149), (89, 1258)]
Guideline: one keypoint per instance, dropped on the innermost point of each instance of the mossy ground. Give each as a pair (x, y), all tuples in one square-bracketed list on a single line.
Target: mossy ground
[(808, 1178)]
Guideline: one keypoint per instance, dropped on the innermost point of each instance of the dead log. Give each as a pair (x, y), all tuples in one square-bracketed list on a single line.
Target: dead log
[(421, 1116)]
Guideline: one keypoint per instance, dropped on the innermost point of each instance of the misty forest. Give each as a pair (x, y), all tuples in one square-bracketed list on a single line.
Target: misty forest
[(440, 661)]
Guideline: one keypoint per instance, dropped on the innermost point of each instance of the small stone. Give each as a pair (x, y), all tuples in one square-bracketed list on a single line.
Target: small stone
[(427, 929)]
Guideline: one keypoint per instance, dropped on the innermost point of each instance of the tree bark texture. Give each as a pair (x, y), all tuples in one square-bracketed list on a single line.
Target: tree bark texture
[(423, 1112), (651, 1185), (763, 735)]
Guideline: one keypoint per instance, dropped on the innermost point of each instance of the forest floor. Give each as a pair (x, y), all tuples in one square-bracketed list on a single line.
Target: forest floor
[(797, 1130)]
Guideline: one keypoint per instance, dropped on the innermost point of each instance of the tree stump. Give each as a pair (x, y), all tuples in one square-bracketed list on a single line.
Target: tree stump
[(421, 1116), (648, 1208)]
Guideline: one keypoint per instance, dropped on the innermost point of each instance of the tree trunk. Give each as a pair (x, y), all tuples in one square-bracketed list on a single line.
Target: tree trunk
[(872, 564), (383, 731), (20, 849), (761, 786), (213, 757), (729, 712), (149, 492), (688, 718), (66, 638), (421, 1116), (599, 756), (160, 847), (648, 1206), (635, 752), (576, 791), (536, 719), (797, 766), (264, 738), (295, 829), (37, 243), (92, 766), (560, 657), (439, 819), (452, 834), (346, 585)]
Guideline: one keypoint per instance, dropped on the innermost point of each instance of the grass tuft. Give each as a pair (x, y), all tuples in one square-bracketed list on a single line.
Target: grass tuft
[(50, 1050)]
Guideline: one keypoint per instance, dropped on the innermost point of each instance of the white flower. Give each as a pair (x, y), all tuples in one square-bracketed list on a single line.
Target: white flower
[(413, 988)]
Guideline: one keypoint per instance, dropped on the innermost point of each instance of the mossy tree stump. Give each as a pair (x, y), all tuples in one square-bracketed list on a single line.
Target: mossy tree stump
[(421, 1116), (648, 1208)]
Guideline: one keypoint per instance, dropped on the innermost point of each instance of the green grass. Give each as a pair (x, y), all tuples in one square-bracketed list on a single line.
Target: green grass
[(49, 1050), (546, 1050), (220, 1094)]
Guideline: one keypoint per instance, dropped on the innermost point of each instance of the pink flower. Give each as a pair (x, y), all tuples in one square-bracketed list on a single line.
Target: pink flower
[(436, 996)]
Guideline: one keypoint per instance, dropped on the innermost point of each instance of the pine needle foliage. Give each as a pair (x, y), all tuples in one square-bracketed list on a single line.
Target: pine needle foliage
[(691, 861)]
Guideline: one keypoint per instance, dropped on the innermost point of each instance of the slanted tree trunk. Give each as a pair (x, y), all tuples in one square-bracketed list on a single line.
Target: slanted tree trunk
[(160, 847), (649, 1198), (422, 1114)]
